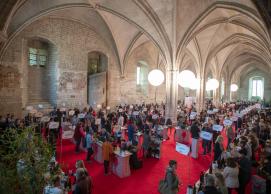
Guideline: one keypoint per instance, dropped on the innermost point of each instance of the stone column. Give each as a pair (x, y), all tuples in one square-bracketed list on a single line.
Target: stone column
[(171, 95), (200, 95)]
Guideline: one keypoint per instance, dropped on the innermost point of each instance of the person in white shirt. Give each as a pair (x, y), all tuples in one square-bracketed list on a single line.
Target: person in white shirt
[(230, 174)]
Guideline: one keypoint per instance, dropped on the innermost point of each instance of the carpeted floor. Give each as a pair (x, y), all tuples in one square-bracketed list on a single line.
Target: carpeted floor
[(144, 180)]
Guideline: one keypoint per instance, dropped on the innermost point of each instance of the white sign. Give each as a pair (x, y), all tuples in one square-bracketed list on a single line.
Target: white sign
[(120, 110), (210, 112), (29, 108), (193, 115), (53, 125), (206, 135), (97, 121), (155, 116), (33, 111), (234, 118), (258, 106), (217, 127), (182, 148), (38, 114), (71, 112), (67, 134), (215, 110), (45, 119), (62, 109), (227, 122), (135, 113), (81, 115)]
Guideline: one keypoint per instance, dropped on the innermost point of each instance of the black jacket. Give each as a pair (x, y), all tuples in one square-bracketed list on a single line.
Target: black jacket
[(195, 131)]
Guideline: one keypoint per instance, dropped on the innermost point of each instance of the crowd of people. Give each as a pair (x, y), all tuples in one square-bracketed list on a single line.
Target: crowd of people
[(245, 150)]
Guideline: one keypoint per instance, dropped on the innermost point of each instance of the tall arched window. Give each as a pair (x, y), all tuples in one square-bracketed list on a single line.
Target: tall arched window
[(142, 77), (256, 88)]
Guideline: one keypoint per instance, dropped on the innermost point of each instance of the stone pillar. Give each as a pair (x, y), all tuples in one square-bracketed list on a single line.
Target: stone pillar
[(227, 90), (200, 95), (171, 95)]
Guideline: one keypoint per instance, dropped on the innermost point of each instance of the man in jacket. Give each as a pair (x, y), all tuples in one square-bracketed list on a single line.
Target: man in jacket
[(195, 136)]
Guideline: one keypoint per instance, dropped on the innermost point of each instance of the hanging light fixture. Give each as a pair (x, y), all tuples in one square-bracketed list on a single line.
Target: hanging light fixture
[(156, 77), (195, 84), (212, 84), (234, 87), (185, 78)]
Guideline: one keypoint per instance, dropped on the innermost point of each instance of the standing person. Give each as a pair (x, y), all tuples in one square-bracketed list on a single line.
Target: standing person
[(107, 151), (171, 179), (207, 144), (195, 136), (83, 183), (230, 135), (78, 135), (89, 141), (209, 188), (230, 174), (244, 171), (218, 149), (220, 183), (169, 125), (55, 188), (131, 131), (146, 142)]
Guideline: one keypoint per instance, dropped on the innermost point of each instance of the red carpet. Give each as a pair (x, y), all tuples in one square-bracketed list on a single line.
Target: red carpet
[(144, 180)]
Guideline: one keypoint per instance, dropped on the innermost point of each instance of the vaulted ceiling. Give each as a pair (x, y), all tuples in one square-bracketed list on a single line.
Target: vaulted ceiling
[(211, 35)]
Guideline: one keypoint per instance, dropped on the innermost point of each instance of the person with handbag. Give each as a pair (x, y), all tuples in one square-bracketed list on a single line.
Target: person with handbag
[(170, 185)]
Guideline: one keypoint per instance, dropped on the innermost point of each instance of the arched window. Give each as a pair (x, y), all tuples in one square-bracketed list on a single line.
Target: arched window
[(256, 88), (38, 53), (142, 77)]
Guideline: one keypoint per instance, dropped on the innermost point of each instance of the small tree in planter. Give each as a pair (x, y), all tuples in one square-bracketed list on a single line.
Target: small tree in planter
[(24, 161)]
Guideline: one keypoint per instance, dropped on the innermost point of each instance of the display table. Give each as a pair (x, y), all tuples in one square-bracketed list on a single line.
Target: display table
[(122, 166), (98, 154), (182, 135)]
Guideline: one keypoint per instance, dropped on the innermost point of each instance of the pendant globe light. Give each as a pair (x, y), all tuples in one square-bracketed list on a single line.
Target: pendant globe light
[(212, 84), (185, 78), (234, 87), (156, 77)]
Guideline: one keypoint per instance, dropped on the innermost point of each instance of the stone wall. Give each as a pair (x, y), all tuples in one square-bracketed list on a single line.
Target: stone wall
[(244, 85), (72, 42), (146, 53)]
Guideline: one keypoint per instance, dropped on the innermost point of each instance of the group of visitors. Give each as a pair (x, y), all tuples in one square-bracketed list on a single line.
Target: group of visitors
[(245, 149)]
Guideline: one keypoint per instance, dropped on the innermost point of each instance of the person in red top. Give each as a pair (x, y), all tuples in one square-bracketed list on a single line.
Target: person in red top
[(78, 135)]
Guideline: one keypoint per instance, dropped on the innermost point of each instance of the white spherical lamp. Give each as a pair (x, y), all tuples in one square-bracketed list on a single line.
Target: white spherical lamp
[(99, 106), (185, 78), (156, 77), (234, 87), (212, 84), (195, 84)]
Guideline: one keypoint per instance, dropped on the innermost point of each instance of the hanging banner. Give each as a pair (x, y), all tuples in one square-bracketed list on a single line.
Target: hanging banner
[(227, 122), (206, 135), (182, 148), (53, 125), (217, 127)]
